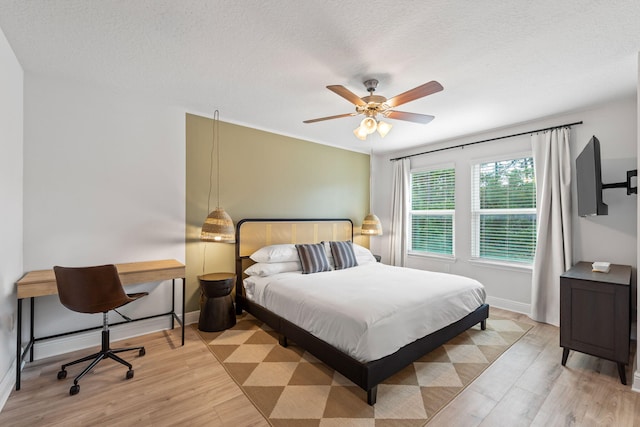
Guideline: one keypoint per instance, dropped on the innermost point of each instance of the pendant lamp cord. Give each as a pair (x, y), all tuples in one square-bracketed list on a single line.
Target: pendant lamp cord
[(214, 145), (216, 142)]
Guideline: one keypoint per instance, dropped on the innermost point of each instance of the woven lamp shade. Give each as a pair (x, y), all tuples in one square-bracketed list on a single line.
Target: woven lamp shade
[(218, 227), (371, 226)]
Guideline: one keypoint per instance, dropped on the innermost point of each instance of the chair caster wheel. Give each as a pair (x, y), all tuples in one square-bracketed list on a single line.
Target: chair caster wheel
[(130, 374), (142, 352), (62, 375), (75, 389)]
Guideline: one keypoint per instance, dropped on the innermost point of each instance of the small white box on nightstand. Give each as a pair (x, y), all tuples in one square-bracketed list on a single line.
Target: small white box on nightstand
[(601, 266)]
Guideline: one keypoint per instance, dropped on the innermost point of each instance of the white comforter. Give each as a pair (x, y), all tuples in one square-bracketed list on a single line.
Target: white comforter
[(369, 311)]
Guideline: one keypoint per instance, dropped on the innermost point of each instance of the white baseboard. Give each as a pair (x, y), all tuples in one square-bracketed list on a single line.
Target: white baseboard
[(79, 341), (7, 384), (518, 307), (66, 344), (192, 317), (635, 386)]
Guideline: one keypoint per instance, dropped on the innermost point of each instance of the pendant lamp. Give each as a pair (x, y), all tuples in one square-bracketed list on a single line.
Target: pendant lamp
[(371, 225), (218, 226)]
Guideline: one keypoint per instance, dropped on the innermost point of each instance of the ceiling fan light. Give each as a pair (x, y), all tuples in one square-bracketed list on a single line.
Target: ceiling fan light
[(360, 133), (384, 128), (369, 124)]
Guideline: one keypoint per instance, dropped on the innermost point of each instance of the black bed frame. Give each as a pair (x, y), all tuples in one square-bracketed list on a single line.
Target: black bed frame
[(365, 375)]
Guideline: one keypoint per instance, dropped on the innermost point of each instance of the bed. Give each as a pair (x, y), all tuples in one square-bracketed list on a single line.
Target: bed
[(370, 349)]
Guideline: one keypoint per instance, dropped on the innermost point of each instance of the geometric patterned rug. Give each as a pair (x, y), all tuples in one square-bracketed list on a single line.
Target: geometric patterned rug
[(292, 388)]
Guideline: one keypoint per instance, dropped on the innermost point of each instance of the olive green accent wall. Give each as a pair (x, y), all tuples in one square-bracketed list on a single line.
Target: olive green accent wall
[(264, 175)]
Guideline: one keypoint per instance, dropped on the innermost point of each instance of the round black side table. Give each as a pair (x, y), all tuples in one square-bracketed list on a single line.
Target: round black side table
[(216, 305)]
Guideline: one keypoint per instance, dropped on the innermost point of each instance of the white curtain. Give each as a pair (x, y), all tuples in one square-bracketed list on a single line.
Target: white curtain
[(399, 203), (553, 198)]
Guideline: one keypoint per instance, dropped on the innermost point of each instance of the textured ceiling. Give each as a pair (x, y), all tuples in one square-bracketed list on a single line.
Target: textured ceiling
[(265, 64)]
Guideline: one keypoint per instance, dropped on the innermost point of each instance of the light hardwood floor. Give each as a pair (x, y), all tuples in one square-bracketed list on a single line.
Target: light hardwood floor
[(177, 385)]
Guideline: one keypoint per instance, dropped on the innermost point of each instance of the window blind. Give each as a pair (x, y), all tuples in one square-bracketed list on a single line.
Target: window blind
[(432, 211), (504, 210)]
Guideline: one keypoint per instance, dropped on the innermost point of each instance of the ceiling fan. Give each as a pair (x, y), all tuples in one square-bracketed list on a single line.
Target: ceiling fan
[(372, 105)]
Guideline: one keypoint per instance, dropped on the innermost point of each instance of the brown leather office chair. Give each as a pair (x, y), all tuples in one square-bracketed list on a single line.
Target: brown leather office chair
[(94, 290)]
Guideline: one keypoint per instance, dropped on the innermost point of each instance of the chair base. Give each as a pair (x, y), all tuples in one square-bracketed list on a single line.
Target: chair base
[(105, 353)]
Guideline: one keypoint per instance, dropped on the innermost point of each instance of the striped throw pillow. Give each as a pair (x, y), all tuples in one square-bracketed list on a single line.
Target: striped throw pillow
[(313, 258), (343, 255)]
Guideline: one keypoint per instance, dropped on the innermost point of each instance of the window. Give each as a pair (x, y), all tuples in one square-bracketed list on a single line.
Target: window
[(504, 210), (432, 209)]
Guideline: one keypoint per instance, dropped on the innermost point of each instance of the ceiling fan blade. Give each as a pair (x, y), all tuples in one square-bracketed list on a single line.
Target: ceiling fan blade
[(415, 93), (329, 118), (346, 94), (409, 117)]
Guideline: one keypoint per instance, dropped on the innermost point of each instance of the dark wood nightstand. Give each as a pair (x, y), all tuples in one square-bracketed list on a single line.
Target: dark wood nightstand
[(216, 305), (595, 313)]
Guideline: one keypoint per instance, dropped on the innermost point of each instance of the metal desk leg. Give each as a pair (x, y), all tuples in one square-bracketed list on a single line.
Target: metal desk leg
[(32, 334), (173, 302), (184, 282), (20, 355), (173, 305), (19, 345)]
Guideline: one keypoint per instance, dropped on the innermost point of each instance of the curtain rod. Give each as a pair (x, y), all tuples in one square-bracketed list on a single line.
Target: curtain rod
[(486, 140)]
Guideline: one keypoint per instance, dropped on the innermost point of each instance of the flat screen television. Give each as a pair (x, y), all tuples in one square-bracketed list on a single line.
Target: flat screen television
[(589, 180)]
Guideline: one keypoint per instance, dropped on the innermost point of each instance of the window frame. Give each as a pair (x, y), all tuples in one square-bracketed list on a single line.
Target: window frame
[(476, 212), (431, 212)]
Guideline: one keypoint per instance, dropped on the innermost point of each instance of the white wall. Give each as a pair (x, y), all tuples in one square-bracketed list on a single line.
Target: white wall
[(11, 141), (636, 376), (104, 182), (608, 238)]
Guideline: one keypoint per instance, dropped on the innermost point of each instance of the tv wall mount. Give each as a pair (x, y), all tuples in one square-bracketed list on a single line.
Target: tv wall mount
[(627, 184)]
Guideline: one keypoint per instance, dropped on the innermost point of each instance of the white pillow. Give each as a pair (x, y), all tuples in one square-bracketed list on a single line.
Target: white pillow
[(276, 253), (361, 250), (363, 255), (264, 269), (364, 259)]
